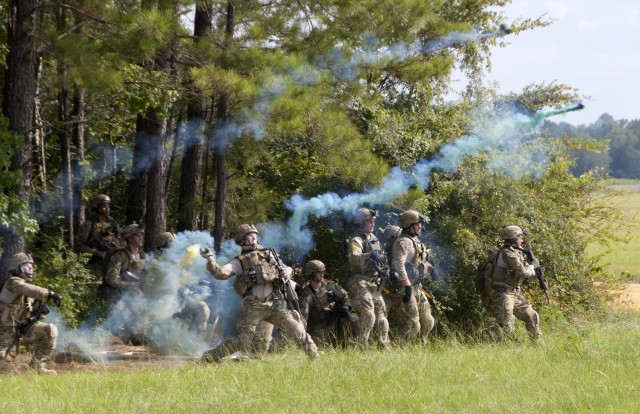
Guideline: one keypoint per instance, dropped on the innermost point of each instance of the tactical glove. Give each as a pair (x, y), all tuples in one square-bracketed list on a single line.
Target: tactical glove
[(55, 298), (206, 253), (377, 256), (407, 294)]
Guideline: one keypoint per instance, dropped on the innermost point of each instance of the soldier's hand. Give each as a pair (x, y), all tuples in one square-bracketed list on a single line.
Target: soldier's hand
[(55, 298), (206, 252), (376, 256), (408, 292)]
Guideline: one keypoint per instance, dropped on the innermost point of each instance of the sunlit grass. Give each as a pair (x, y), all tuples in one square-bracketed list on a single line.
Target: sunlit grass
[(584, 366)]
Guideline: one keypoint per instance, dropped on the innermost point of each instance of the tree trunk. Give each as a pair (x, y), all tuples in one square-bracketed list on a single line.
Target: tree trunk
[(77, 114), (65, 139), (134, 210), (155, 217), (221, 153), (191, 169), (20, 84)]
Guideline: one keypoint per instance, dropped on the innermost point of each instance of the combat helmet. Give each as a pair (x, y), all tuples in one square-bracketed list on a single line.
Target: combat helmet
[(99, 199), (409, 217), (130, 230), (164, 239), (510, 231), (364, 214), (15, 261), (390, 233), (242, 231), (312, 267)]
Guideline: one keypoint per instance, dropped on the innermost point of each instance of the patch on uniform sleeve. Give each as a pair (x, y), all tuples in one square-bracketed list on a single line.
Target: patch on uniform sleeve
[(115, 259)]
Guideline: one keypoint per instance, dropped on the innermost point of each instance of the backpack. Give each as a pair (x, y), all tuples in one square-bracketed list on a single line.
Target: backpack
[(483, 282)]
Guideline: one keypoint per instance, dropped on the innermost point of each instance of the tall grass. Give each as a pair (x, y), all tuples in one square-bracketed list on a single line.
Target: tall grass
[(583, 366), (624, 257)]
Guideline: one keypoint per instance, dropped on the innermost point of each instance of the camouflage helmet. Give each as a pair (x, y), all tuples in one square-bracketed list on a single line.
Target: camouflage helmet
[(510, 232), (14, 262), (242, 231), (100, 199), (364, 214), (410, 217), (390, 233), (131, 230), (312, 267), (164, 239)]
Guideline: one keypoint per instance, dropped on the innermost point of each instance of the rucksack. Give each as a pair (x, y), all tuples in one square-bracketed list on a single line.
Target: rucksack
[(484, 273)]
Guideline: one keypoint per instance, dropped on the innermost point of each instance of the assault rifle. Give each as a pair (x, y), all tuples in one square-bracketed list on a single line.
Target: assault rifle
[(40, 310), (290, 294), (539, 271)]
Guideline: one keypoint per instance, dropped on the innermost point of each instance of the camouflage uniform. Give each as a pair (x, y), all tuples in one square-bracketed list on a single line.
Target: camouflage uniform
[(124, 273), (16, 300), (506, 301), (98, 239), (407, 257), (256, 273), (365, 298), (326, 311)]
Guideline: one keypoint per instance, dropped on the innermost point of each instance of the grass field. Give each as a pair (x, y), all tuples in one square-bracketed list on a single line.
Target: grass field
[(584, 366), (625, 257)]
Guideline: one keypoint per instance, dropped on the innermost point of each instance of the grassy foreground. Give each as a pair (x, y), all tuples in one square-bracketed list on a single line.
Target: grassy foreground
[(583, 366)]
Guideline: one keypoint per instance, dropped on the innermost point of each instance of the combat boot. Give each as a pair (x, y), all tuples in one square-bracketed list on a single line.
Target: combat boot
[(41, 367)]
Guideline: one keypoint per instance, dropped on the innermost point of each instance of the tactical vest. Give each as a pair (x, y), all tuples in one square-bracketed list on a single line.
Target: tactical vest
[(502, 274), (367, 246), (415, 268), (256, 270), (129, 264), (12, 310)]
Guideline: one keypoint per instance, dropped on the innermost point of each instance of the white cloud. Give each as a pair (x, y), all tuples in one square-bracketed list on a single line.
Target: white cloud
[(558, 9)]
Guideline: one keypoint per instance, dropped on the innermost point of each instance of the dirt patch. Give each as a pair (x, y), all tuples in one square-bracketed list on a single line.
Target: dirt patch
[(629, 297)]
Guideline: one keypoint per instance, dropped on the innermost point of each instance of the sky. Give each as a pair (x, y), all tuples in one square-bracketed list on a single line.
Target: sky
[(593, 46)]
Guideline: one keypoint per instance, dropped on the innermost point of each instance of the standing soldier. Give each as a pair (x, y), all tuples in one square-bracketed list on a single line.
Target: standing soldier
[(98, 234), (510, 269), (325, 305), (364, 255), (21, 308), (409, 262), (125, 267), (258, 281)]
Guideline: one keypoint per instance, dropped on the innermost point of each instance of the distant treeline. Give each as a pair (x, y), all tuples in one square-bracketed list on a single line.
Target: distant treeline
[(620, 155)]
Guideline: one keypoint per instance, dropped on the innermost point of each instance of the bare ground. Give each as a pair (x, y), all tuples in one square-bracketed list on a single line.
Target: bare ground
[(629, 297)]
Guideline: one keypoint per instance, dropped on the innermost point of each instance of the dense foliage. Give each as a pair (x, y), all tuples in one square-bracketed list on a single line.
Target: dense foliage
[(291, 103)]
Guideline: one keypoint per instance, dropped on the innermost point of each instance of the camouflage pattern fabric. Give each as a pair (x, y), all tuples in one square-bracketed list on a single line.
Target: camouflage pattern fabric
[(365, 298)]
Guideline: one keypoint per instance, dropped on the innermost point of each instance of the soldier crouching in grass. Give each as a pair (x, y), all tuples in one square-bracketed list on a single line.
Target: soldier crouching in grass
[(21, 307), (257, 281)]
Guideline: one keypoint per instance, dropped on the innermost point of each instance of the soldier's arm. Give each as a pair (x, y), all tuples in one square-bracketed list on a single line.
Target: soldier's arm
[(305, 303), (399, 253), (515, 262), (112, 274), (223, 272), (357, 259), (341, 295), (21, 287), (80, 239)]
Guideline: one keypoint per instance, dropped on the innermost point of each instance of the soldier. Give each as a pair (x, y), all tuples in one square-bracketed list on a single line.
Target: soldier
[(364, 253), (409, 262), (98, 234), (18, 298), (256, 271), (125, 266), (195, 313), (510, 269), (325, 305)]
